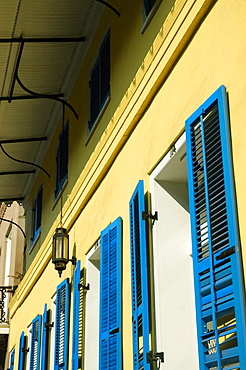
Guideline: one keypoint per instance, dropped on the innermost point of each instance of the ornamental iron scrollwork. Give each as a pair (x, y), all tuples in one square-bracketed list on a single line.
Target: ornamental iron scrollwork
[(4, 290)]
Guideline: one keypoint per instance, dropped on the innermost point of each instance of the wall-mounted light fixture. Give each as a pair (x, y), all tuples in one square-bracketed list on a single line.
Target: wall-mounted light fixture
[(60, 246), (60, 250)]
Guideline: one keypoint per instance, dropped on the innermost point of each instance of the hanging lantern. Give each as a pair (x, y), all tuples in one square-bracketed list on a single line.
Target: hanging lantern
[(60, 249)]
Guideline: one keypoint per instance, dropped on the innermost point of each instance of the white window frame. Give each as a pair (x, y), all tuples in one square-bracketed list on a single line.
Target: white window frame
[(92, 308), (174, 289), (51, 353)]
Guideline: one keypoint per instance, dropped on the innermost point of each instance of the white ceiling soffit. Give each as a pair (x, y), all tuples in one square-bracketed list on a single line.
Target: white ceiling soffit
[(45, 68)]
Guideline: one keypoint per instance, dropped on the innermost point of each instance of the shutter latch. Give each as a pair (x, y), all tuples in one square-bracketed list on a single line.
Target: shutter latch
[(225, 253), (85, 287), (146, 215), (156, 357), (25, 350), (114, 331), (49, 324)]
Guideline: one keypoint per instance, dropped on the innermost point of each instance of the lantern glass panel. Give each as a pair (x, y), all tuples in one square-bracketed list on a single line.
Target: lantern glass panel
[(60, 245)]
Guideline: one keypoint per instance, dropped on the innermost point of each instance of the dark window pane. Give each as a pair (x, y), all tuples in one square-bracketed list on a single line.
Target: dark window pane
[(100, 82), (95, 92), (62, 160), (39, 208), (105, 71), (37, 214), (148, 5)]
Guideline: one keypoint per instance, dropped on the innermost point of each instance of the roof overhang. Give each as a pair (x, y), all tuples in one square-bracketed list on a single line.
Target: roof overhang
[(42, 45)]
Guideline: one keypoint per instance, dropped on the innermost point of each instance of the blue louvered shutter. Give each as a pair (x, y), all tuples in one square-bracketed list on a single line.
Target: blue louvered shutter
[(110, 346), (62, 325), (12, 359), (76, 314), (139, 276), (219, 287), (22, 352), (35, 343), (45, 338)]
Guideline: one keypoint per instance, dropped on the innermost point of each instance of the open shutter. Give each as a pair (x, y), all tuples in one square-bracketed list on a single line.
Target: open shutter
[(62, 325), (35, 343), (110, 347), (12, 359), (22, 352), (76, 306), (215, 242), (45, 338), (139, 275)]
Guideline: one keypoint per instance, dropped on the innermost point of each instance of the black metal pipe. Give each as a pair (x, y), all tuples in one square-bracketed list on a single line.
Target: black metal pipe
[(16, 70), (109, 6), (20, 161), (6, 287), (27, 140), (42, 39), (13, 199), (16, 172), (39, 95), (14, 223), (33, 93), (28, 97)]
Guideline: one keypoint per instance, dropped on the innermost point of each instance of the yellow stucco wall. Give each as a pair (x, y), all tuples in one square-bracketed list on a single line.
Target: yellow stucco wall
[(182, 69)]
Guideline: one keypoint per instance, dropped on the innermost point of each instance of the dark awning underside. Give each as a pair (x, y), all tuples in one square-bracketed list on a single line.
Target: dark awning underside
[(46, 67)]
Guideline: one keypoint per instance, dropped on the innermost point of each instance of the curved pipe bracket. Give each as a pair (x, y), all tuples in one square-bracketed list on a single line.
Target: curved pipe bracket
[(20, 161), (109, 6), (22, 41), (14, 223)]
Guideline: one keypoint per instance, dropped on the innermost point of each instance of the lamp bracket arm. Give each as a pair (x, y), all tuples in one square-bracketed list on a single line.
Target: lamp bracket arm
[(73, 260)]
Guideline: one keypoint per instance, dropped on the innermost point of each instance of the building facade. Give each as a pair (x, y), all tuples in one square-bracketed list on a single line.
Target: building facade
[(123, 130), (12, 225)]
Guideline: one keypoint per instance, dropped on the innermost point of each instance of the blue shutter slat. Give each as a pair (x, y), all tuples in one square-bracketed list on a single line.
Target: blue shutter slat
[(35, 343), (21, 352), (45, 337), (139, 274), (62, 325), (12, 359), (76, 312), (110, 347), (215, 242)]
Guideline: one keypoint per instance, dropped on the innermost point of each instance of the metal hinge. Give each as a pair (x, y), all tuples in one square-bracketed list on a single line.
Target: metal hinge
[(225, 253), (146, 215), (156, 357)]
